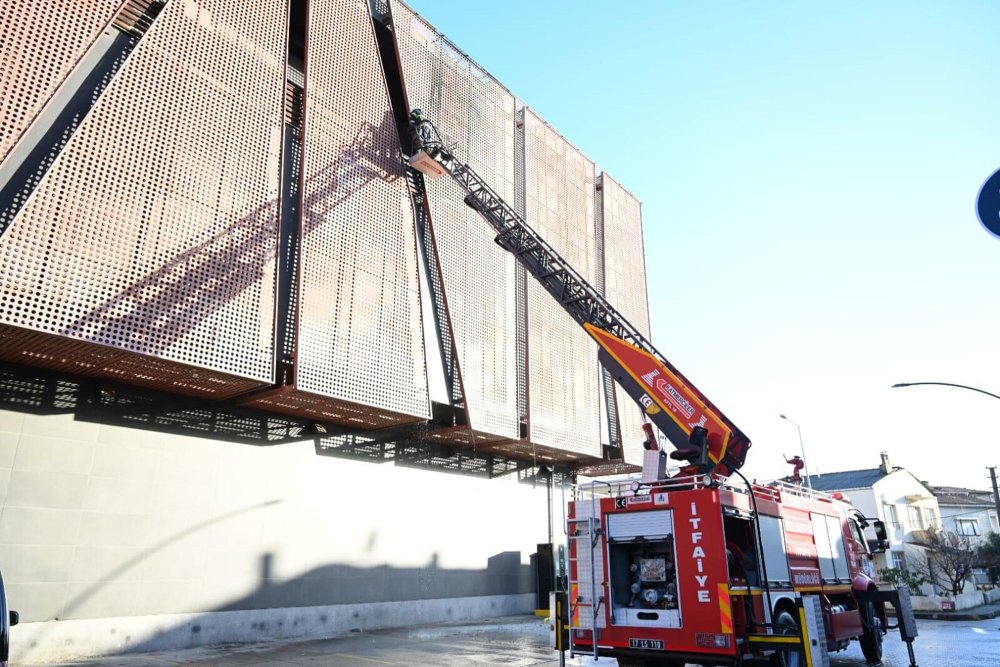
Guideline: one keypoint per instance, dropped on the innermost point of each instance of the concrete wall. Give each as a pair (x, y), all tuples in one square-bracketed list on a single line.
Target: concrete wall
[(102, 521), (967, 600)]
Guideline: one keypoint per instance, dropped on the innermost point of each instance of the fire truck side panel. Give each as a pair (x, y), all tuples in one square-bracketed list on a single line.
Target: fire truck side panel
[(772, 537), (830, 546)]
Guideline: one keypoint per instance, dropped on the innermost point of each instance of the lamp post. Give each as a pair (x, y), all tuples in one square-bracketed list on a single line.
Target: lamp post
[(802, 448), (993, 470)]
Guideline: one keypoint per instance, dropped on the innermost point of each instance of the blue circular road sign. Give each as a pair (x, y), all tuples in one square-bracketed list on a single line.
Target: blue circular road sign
[(988, 204)]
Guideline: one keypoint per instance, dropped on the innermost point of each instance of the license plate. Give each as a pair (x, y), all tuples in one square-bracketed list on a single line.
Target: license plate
[(646, 643)]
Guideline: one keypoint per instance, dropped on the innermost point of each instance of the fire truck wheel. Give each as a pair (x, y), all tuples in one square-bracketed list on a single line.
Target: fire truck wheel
[(785, 624), (871, 639)]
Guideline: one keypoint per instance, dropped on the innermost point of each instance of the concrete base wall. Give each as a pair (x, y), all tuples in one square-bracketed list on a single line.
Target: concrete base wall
[(120, 538), (69, 640)]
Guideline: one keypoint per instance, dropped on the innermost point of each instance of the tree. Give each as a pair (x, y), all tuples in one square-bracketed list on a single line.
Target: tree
[(901, 577), (988, 557), (948, 561)]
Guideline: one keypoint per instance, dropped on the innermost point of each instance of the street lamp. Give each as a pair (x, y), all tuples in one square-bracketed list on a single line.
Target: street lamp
[(993, 470), (943, 384), (802, 447)]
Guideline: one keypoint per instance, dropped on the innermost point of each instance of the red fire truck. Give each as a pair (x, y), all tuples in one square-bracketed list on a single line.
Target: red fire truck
[(703, 570), (693, 567)]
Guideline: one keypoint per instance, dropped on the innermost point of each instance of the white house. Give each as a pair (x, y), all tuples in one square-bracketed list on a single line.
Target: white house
[(970, 515), (967, 512)]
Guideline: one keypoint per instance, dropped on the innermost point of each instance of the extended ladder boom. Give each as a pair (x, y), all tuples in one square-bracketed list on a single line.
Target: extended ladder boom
[(672, 403)]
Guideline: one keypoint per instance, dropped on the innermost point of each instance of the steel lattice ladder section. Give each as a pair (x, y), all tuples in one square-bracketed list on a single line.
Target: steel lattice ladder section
[(578, 298), (569, 288)]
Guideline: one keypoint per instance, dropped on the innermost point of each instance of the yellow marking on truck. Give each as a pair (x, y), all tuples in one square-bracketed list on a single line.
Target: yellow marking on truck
[(805, 637), (774, 639), (725, 610)]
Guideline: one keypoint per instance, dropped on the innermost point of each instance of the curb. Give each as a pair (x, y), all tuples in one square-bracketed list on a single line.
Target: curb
[(966, 615)]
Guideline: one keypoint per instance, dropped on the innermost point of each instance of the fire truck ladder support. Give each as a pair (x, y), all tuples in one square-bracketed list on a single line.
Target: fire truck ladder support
[(906, 622)]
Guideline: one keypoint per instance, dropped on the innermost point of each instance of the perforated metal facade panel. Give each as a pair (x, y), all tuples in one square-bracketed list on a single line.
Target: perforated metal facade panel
[(153, 234), (625, 289), (40, 42), (360, 337), (563, 372), (474, 110)]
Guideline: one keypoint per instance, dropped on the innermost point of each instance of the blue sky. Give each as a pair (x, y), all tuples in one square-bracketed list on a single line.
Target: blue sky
[(808, 176)]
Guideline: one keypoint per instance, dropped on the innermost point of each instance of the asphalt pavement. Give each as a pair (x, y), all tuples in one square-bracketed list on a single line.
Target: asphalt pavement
[(523, 641)]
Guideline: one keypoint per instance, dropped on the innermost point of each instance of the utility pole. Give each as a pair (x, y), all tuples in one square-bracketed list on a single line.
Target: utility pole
[(996, 493)]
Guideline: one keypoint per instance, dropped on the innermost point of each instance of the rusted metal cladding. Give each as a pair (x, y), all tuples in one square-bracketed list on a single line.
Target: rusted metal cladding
[(147, 252), (360, 336), (625, 289), (40, 42), (473, 109), (563, 371)]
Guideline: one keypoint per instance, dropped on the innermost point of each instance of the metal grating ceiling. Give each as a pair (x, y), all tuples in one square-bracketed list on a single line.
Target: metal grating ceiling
[(563, 372), (153, 233), (474, 110), (625, 287), (360, 339)]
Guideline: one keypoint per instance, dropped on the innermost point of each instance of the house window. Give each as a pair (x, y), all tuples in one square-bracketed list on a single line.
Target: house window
[(967, 526), (994, 524), (898, 560), (915, 516), (932, 518), (889, 512)]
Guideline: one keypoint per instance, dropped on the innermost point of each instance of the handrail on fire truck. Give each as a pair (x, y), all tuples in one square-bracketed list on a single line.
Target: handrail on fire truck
[(704, 436)]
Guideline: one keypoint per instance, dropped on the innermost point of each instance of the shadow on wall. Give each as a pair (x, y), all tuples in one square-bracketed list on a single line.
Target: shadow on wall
[(333, 585), (336, 599)]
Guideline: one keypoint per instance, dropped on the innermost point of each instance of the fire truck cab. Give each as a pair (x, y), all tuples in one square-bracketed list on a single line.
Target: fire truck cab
[(703, 570)]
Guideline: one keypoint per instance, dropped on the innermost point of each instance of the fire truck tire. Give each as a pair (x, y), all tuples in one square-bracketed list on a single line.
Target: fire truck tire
[(871, 638), (785, 624)]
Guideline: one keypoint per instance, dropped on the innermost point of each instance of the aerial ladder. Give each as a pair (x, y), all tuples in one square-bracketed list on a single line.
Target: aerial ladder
[(705, 439), (711, 446)]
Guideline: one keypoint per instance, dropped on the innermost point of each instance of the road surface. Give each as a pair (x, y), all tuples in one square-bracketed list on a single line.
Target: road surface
[(523, 642)]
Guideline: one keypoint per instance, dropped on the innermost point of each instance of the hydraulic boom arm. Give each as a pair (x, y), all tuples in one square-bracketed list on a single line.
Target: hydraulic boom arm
[(702, 434)]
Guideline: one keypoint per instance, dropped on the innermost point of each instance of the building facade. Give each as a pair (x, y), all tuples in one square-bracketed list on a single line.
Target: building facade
[(967, 513), (242, 347)]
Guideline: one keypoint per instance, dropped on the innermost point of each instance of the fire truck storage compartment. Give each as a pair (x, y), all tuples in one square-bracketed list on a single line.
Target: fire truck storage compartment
[(772, 537), (830, 548), (641, 564)]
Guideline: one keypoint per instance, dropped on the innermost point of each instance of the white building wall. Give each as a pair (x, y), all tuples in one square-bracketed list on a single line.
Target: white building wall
[(100, 521)]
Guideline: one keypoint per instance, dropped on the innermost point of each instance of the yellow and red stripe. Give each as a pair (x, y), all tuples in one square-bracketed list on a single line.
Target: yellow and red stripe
[(725, 610)]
